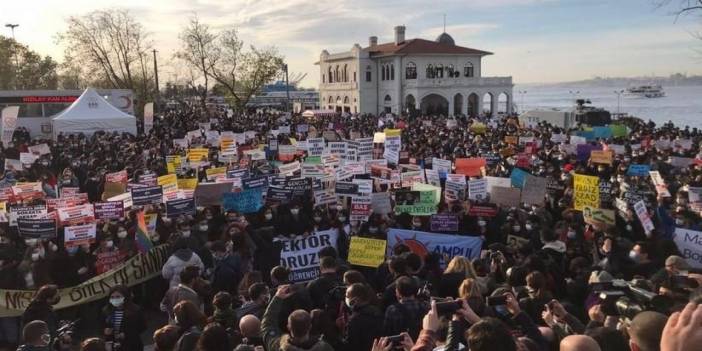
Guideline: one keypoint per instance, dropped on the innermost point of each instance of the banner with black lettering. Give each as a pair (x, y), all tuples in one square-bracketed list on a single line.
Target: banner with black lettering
[(300, 254), (147, 196), (135, 270), (37, 228), (422, 243)]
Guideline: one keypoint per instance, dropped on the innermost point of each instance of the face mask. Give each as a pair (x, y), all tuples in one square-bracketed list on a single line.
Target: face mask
[(516, 228), (634, 256), (35, 256), (628, 227), (528, 227), (186, 234), (208, 217), (295, 211), (342, 219), (417, 224), (122, 234), (31, 242), (53, 247), (109, 244), (348, 302), (167, 220), (269, 216), (339, 207), (679, 221), (117, 301), (317, 219), (204, 227), (72, 250), (373, 230), (571, 234)]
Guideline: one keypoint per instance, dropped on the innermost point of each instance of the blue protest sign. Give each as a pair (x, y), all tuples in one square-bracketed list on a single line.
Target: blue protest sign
[(602, 132), (638, 170), (247, 201), (518, 177)]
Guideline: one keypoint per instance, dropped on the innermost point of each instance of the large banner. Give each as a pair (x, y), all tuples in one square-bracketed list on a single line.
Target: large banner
[(366, 252), (8, 123), (136, 270), (689, 244), (447, 246), (300, 254)]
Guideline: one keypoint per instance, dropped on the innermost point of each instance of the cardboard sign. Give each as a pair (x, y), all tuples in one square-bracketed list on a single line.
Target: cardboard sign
[(586, 192), (661, 187), (381, 203), (477, 189), (598, 216), (638, 170), (506, 197), (366, 252), (76, 215), (602, 157), (109, 210), (689, 243), (108, 260), (79, 235), (482, 211), (534, 191), (175, 208), (37, 228), (247, 201), (642, 213), (444, 223)]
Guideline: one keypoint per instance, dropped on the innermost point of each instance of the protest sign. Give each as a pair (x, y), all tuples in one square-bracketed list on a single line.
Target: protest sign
[(503, 196), (135, 270), (8, 123), (300, 254), (642, 213), (79, 235), (210, 194), (247, 201), (147, 196), (482, 211), (638, 170), (108, 260), (444, 223), (13, 165), (324, 197), (518, 177), (76, 214), (516, 242), (381, 203), (470, 166), (37, 228), (251, 183), (602, 157), (175, 208), (109, 210), (497, 181), (32, 212), (27, 191), (346, 188), (125, 199), (598, 216), (681, 162), (366, 252), (661, 187), (689, 243), (442, 166), (361, 207), (289, 168), (422, 243), (586, 192), (534, 190)]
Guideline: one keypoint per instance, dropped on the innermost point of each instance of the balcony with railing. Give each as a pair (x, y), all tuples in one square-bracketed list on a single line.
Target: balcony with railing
[(458, 82)]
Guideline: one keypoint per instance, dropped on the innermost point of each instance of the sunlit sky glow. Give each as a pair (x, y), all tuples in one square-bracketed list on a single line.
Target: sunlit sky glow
[(533, 40)]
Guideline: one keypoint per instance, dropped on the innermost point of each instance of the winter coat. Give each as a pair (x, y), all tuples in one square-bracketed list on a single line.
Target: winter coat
[(177, 262)]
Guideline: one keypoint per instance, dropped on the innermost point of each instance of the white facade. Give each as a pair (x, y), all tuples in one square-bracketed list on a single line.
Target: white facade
[(380, 79)]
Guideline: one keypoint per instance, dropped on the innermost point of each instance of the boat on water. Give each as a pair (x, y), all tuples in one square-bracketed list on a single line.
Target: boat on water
[(647, 91)]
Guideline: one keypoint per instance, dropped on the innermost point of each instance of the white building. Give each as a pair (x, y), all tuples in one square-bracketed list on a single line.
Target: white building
[(410, 76)]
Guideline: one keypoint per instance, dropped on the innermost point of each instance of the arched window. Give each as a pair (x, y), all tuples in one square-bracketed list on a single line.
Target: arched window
[(369, 74), (449, 71), (382, 72), (331, 77), (331, 99), (323, 75), (439, 71), (346, 100), (387, 98), (468, 70), (411, 71), (392, 72), (430, 71), (346, 74), (336, 74)]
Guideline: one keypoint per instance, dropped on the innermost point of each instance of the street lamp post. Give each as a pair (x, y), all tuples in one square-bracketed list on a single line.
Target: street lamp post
[(619, 97), (12, 28)]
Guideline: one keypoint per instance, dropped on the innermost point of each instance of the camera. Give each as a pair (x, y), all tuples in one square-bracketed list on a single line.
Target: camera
[(396, 341), (627, 299), (496, 300)]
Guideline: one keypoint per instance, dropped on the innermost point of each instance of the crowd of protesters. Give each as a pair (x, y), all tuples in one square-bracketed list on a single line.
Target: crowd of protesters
[(223, 286)]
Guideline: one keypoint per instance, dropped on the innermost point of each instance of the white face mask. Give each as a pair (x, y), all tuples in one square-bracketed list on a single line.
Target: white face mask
[(35, 256), (516, 228), (31, 242), (571, 234), (53, 247), (122, 234), (342, 219), (482, 223), (109, 244), (204, 228), (269, 216), (679, 221), (117, 301), (186, 233), (317, 219), (634, 255), (528, 227), (295, 211)]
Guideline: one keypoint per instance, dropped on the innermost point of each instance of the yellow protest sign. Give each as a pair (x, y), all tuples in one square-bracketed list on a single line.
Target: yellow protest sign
[(187, 183), (211, 172), (586, 192), (602, 157), (3, 206), (170, 167), (293, 142), (169, 179), (223, 144), (366, 252), (197, 154), (598, 216), (392, 132)]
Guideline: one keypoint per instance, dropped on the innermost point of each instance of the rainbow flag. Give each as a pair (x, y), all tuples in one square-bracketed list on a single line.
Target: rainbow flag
[(141, 236)]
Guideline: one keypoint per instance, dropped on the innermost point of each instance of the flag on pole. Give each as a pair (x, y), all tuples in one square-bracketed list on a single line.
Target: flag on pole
[(143, 242)]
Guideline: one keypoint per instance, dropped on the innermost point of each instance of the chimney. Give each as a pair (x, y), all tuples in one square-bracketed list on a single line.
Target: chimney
[(372, 41), (399, 35)]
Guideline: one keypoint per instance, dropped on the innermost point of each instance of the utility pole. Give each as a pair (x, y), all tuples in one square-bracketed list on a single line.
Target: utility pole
[(287, 88), (156, 75)]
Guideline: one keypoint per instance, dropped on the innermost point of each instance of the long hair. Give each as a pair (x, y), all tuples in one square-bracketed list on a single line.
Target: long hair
[(189, 315), (460, 264), (213, 338), (469, 288)]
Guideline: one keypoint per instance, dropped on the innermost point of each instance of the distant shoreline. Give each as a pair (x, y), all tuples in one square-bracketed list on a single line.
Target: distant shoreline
[(674, 80)]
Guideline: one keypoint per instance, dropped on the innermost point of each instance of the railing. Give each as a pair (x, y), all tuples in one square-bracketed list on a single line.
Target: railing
[(462, 81), (339, 86)]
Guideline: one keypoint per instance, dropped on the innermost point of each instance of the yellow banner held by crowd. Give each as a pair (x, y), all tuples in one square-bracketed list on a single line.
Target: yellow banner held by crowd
[(197, 154), (187, 183), (586, 192), (211, 172), (366, 252), (392, 132), (133, 271)]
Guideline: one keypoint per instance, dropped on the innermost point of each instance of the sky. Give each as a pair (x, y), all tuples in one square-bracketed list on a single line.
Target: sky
[(534, 41)]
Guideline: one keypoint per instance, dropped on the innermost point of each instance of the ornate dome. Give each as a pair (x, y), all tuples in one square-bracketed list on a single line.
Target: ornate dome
[(444, 38)]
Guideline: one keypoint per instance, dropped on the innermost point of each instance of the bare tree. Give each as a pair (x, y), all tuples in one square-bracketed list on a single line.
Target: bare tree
[(112, 49), (199, 49), (682, 7)]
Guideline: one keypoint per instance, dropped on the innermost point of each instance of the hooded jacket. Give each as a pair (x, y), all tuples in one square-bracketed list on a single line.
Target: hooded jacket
[(180, 259)]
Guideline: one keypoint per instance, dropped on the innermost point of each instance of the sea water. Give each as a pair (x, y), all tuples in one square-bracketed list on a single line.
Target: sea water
[(682, 104)]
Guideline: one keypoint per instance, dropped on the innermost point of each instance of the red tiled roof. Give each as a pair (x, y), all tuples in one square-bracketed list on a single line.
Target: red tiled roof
[(421, 46)]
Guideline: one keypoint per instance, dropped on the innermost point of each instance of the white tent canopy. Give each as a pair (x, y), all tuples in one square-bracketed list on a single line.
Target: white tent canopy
[(91, 113)]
